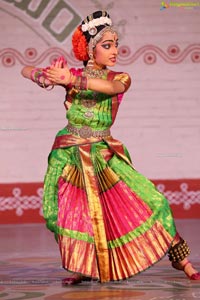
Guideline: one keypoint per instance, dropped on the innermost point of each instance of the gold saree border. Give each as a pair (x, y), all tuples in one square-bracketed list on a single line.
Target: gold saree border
[(96, 212), (78, 256), (140, 253), (125, 261)]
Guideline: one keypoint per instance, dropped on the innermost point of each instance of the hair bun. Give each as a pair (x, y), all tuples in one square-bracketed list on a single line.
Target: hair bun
[(79, 44)]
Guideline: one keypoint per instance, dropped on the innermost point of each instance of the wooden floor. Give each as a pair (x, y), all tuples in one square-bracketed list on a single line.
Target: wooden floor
[(30, 268)]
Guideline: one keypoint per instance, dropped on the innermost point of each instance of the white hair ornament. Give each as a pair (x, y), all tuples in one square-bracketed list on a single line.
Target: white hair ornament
[(91, 25)]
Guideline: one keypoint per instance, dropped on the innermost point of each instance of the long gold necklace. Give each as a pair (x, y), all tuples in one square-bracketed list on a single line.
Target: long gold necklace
[(91, 103), (94, 73)]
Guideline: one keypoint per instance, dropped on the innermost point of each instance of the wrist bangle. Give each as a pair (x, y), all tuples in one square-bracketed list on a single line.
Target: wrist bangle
[(34, 74), (80, 83), (39, 82), (42, 83)]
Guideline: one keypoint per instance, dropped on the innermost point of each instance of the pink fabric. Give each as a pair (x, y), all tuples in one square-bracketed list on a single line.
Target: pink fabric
[(73, 213), (120, 97), (120, 204), (76, 72)]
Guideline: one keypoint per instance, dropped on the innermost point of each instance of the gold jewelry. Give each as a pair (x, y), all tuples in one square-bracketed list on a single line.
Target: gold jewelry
[(80, 82), (87, 132), (40, 80), (90, 62), (94, 73), (89, 104), (100, 34)]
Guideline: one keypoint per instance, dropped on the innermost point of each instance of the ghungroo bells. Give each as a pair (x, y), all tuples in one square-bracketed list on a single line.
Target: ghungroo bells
[(179, 251)]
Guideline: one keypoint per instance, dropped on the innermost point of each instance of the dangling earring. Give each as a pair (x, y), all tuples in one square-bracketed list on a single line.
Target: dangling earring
[(90, 63)]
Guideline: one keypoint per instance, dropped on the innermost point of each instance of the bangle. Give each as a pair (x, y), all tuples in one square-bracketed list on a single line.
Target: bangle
[(39, 82), (36, 75), (49, 87), (42, 83), (81, 83)]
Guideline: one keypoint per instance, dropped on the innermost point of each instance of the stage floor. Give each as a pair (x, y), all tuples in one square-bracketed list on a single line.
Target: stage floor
[(30, 268)]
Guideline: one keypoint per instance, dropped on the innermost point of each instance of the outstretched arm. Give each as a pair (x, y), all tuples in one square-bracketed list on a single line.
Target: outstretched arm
[(38, 75), (119, 85), (63, 76), (26, 71)]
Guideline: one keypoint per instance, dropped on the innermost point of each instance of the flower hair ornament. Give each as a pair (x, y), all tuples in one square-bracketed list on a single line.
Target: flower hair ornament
[(80, 45)]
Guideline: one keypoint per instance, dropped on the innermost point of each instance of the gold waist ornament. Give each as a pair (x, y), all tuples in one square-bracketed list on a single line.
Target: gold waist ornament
[(87, 132)]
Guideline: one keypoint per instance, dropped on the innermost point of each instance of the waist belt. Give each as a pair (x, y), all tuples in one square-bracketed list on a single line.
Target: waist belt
[(87, 132)]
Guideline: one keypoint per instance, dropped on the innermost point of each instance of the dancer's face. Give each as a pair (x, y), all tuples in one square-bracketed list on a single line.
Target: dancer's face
[(106, 50)]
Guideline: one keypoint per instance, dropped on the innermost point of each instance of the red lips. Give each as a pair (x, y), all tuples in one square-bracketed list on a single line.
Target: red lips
[(113, 59)]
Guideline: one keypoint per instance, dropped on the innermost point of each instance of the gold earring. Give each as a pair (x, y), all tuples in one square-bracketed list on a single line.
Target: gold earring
[(90, 63)]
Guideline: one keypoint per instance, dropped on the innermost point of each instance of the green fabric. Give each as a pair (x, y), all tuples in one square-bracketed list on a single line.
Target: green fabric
[(76, 235), (56, 162), (102, 111)]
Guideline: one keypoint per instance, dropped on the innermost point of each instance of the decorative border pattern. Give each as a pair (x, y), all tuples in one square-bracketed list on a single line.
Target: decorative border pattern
[(184, 197), (149, 53), (9, 56), (19, 203)]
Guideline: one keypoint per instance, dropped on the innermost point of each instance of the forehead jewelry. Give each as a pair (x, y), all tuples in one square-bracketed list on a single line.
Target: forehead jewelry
[(99, 35)]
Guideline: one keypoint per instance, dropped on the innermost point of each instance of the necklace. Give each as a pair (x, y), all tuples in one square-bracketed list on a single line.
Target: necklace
[(94, 73), (88, 103)]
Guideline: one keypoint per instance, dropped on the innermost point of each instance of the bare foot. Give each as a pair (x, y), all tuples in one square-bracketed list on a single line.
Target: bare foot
[(186, 266), (74, 278)]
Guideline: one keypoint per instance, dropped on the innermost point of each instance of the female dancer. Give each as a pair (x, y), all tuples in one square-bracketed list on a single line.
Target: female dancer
[(110, 221)]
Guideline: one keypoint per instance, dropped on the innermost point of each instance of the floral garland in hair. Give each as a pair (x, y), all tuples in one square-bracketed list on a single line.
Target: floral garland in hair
[(79, 44), (96, 22)]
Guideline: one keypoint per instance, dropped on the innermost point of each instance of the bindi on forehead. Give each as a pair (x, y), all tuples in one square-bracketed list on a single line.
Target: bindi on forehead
[(109, 36)]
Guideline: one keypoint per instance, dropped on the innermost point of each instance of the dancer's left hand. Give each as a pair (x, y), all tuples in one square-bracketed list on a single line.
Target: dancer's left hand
[(58, 72)]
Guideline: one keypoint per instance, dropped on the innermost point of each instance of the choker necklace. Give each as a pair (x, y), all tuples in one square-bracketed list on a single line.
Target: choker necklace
[(94, 73)]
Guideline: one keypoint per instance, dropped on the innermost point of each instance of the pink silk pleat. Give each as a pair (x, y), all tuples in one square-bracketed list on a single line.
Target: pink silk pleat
[(73, 211), (119, 204), (140, 253)]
